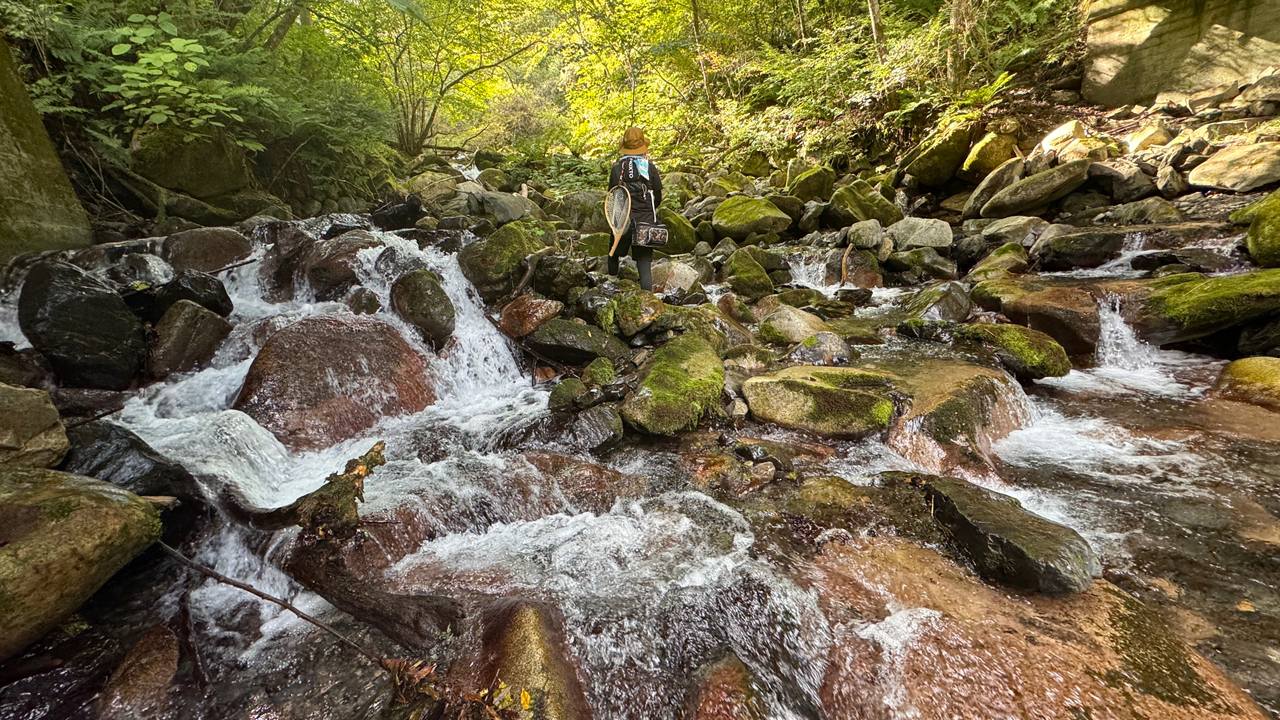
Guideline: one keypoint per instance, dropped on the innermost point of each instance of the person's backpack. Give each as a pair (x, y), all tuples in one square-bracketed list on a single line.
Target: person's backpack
[(635, 178)]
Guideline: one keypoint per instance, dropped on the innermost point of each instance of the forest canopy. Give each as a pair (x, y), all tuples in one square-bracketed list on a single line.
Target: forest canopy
[(341, 94)]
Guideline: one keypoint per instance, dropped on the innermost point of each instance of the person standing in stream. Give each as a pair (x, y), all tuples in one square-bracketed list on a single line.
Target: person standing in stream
[(637, 173)]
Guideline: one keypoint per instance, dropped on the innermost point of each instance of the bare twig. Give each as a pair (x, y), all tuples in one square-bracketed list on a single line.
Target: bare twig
[(269, 598)]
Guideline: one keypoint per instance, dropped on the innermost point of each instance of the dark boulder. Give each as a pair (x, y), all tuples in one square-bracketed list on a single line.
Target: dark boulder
[(206, 249), (105, 451), (186, 338), (82, 326), (574, 343)]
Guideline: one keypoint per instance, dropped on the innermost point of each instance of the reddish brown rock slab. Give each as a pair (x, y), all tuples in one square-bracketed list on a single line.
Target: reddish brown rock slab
[(327, 379), (724, 692), (527, 313), (919, 636)]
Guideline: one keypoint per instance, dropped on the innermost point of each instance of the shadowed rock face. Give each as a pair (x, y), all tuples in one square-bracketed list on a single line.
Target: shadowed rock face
[(523, 645), (327, 379), (82, 326), (925, 634)]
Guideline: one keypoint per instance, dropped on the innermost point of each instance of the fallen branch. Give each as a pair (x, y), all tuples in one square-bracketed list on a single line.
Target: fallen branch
[(210, 572)]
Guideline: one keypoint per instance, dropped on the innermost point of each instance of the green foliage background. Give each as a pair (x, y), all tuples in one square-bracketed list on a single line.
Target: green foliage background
[(336, 97)]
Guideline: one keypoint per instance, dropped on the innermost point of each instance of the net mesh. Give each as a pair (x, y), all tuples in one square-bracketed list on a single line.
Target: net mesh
[(617, 209)]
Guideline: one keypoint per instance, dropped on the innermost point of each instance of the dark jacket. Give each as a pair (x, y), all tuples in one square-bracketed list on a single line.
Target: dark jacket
[(644, 205)]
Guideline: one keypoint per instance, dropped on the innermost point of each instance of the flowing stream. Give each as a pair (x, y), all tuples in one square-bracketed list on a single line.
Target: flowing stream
[(1176, 492)]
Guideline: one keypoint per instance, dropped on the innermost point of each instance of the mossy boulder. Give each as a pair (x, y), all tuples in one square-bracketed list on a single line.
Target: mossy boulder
[(1263, 240), (203, 168), (1189, 306), (746, 277), (584, 210), (1254, 380), (989, 153), (1038, 190), (814, 184), (741, 216), (599, 372), (1083, 248), (494, 265), (677, 388), (1008, 259), (595, 244), (574, 342), (61, 537), (1028, 354), (681, 237), (31, 433), (565, 393), (945, 301), (859, 202), (420, 300), (635, 310), (788, 325), (935, 160), (835, 402)]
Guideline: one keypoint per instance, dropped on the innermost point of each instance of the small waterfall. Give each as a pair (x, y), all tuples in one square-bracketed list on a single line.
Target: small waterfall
[(810, 270), (1119, 347)]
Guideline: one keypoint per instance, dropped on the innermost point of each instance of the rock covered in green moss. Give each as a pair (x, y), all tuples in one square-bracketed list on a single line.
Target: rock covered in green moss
[(494, 265), (989, 153), (859, 202), (788, 325), (926, 261), (1189, 306), (746, 277), (574, 342), (565, 393), (836, 402), (63, 537), (635, 310), (813, 184), (1028, 354), (595, 244), (1010, 258), (681, 237), (599, 372), (740, 216), (1263, 240), (1006, 543), (1254, 380), (944, 301), (937, 158), (824, 348), (678, 387)]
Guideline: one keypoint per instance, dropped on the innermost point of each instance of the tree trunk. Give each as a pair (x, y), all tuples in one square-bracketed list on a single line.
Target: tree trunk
[(957, 53), (283, 27), (877, 29), (702, 63)]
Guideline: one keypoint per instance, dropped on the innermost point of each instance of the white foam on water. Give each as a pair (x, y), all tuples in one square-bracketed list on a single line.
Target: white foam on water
[(895, 635), (9, 329), (1118, 267), (809, 269)]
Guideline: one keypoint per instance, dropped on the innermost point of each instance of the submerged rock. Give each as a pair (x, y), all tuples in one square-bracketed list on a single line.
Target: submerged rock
[(678, 387), (1254, 380), (724, 692), (82, 326), (980, 653), (326, 379), (1007, 544), (31, 432), (61, 537)]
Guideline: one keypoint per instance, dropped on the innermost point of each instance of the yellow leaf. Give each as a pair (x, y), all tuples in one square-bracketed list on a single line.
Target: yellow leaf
[(525, 700)]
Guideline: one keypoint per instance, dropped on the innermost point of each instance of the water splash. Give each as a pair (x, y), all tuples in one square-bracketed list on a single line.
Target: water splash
[(809, 269)]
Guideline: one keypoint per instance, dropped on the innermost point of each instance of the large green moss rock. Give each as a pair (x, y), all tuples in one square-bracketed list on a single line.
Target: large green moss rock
[(677, 388), (1263, 240), (61, 537), (740, 216), (746, 277), (935, 160), (494, 265), (835, 402), (38, 208), (1008, 259), (681, 237), (1038, 190), (859, 202), (788, 325), (203, 168), (813, 184), (584, 210), (420, 300), (1189, 306), (1028, 354), (1254, 380), (989, 153)]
